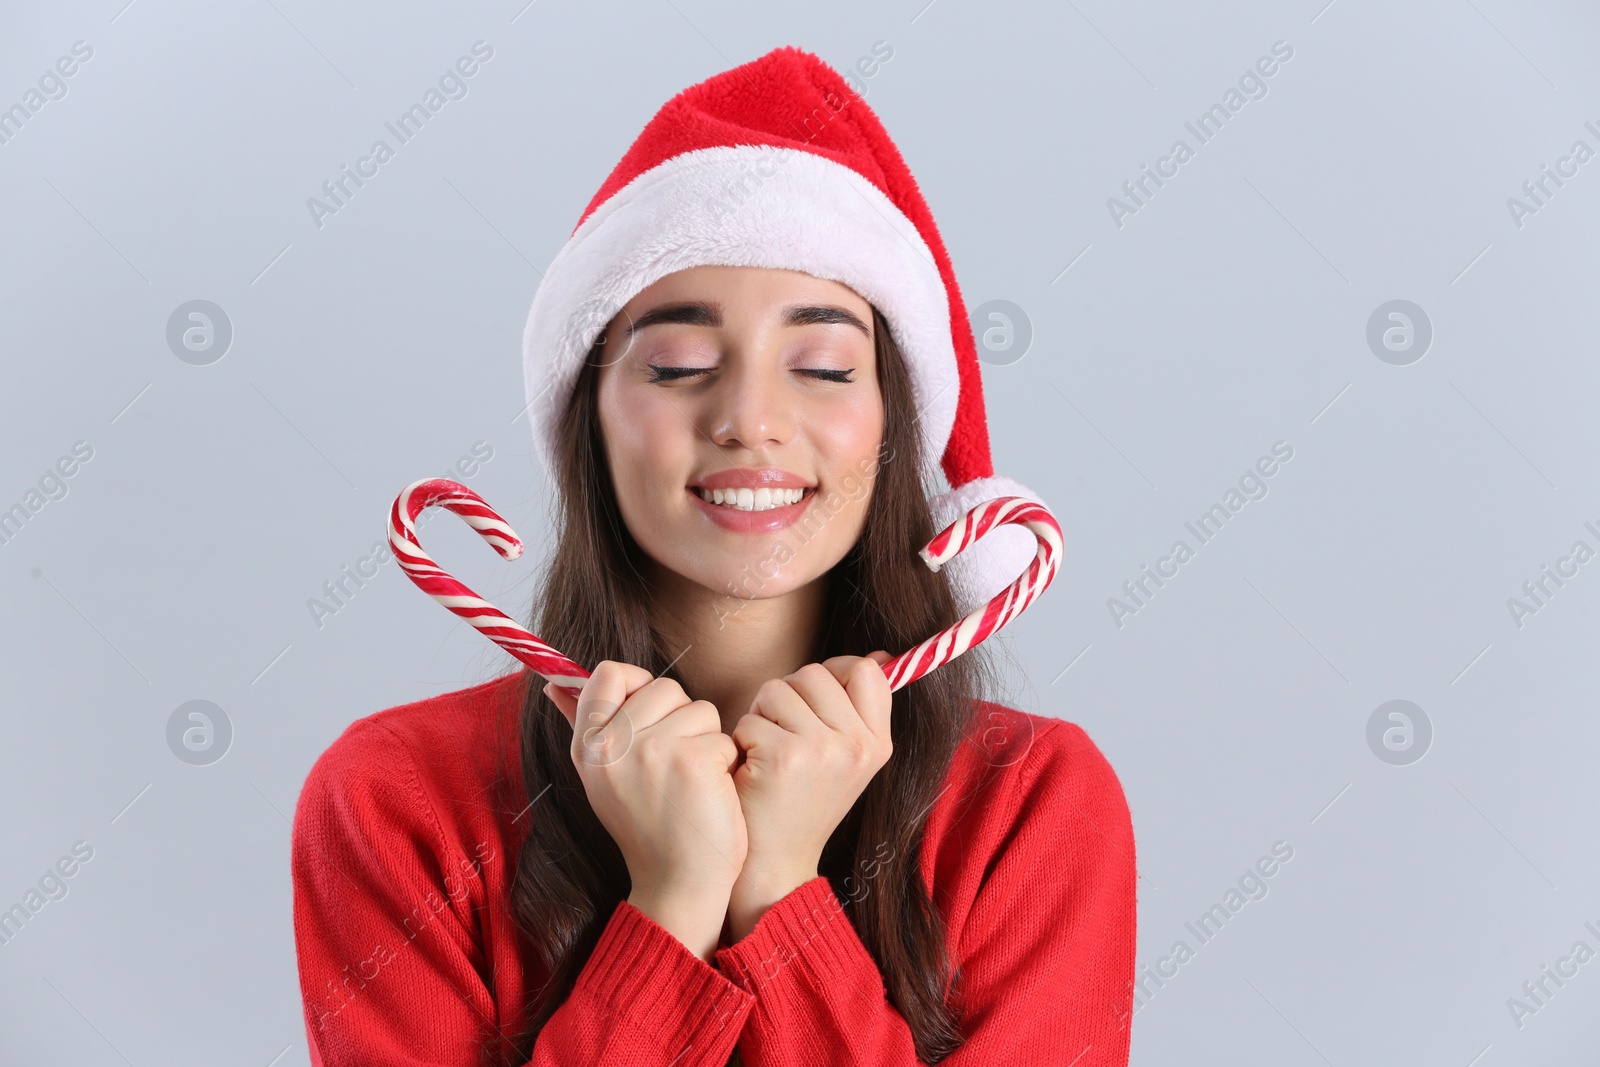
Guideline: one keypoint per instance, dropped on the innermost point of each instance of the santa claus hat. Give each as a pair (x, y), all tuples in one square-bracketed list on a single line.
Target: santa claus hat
[(779, 163)]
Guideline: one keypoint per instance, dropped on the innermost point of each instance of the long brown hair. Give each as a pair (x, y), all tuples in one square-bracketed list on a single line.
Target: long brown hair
[(594, 603)]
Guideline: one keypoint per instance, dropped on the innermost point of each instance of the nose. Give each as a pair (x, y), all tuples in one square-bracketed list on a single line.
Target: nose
[(747, 407)]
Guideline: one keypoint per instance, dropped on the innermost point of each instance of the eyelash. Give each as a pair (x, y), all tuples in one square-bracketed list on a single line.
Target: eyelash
[(673, 374)]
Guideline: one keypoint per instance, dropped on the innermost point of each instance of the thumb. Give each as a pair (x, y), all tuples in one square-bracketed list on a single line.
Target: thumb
[(565, 702)]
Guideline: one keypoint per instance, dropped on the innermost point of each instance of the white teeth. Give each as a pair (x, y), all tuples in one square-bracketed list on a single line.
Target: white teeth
[(763, 499)]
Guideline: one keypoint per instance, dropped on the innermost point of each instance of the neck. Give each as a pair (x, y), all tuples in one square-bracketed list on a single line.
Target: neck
[(727, 647)]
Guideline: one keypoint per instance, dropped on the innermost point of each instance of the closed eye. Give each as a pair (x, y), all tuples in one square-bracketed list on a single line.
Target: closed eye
[(673, 374)]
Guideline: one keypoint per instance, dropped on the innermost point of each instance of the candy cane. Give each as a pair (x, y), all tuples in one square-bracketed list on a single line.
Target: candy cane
[(978, 626), (443, 587), (902, 670)]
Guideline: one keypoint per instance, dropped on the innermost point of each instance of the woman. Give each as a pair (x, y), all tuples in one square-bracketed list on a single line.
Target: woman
[(735, 844)]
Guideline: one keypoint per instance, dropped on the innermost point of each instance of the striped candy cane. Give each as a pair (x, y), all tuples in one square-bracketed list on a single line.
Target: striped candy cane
[(950, 642), (443, 587), (902, 670)]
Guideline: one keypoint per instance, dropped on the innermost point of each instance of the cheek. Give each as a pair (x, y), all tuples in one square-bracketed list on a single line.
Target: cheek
[(647, 442), (848, 438), (849, 431)]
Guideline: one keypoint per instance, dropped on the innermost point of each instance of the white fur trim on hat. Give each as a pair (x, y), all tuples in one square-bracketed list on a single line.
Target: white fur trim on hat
[(995, 560), (746, 205)]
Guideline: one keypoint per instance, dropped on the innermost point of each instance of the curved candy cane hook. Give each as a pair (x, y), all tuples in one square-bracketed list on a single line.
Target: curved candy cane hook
[(438, 583)]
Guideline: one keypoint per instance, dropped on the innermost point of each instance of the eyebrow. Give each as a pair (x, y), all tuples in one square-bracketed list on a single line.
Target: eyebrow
[(709, 313)]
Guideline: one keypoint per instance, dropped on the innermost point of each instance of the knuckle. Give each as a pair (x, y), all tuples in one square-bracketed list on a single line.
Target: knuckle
[(803, 759), (686, 758), (669, 688), (626, 675)]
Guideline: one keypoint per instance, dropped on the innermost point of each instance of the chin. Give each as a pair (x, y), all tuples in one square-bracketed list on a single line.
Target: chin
[(773, 569), (754, 579)]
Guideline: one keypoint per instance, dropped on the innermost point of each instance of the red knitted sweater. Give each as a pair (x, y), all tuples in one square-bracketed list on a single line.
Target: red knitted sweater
[(405, 842)]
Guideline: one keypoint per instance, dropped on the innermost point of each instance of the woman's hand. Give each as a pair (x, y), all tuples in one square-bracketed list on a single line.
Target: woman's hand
[(655, 766), (811, 743)]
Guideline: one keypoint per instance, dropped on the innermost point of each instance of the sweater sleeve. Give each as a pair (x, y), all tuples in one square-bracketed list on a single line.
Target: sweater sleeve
[(392, 969), (1046, 952)]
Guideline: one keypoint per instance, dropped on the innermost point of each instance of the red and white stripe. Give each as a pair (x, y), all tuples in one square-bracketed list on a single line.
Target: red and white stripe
[(904, 669), (971, 631), (443, 587)]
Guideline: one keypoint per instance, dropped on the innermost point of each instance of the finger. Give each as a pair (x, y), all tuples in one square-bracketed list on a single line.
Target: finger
[(866, 687), (841, 666), (819, 686), (631, 676), (609, 685), (720, 748), (880, 657), (565, 702), (777, 702), (597, 705), (654, 702), (869, 692), (753, 732), (697, 718)]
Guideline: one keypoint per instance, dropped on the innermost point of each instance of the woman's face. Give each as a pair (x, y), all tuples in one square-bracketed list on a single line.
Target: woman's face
[(742, 423)]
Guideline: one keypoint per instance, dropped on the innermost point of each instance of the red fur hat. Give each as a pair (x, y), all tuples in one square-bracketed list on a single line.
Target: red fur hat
[(779, 163)]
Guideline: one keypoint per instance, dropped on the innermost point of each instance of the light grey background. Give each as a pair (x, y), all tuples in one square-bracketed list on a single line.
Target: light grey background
[(1168, 354)]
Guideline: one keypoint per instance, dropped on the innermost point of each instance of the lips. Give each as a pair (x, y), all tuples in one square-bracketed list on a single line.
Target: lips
[(765, 482)]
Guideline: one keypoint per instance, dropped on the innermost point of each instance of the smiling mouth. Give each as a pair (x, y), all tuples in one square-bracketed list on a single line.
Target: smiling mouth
[(763, 499)]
